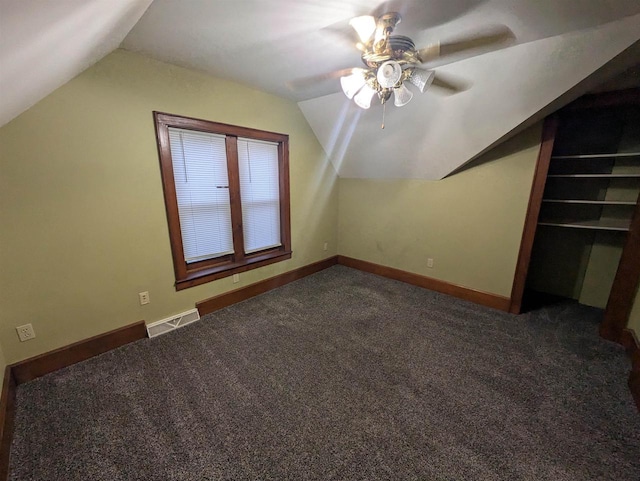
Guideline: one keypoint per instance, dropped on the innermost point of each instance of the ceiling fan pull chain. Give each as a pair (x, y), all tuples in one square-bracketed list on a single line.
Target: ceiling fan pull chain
[(384, 110)]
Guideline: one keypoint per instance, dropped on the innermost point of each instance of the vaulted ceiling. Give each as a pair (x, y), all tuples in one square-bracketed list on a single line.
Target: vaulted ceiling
[(286, 46), (44, 44)]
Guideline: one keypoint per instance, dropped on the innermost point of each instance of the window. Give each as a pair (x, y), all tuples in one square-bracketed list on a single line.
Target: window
[(226, 191)]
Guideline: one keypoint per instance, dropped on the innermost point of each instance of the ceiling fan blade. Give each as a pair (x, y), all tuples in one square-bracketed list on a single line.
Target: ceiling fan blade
[(429, 53), (304, 83), (447, 84), (492, 38), (342, 32)]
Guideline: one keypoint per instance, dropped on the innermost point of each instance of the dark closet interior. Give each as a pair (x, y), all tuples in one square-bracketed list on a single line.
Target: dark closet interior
[(590, 197)]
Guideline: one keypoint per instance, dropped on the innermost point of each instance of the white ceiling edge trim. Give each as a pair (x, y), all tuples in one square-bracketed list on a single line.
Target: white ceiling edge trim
[(43, 45), (434, 136)]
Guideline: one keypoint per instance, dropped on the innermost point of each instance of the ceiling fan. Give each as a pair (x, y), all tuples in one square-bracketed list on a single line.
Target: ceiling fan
[(391, 60)]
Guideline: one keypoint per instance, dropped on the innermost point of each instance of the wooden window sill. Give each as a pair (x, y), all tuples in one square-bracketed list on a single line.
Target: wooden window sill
[(202, 276)]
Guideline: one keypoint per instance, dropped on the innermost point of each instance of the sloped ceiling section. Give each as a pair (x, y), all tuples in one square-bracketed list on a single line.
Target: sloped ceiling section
[(433, 136), (272, 45), (44, 44)]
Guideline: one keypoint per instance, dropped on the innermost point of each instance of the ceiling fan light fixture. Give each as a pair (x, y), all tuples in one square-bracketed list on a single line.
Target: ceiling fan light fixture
[(401, 96), (389, 74), (364, 97), (351, 84), (422, 78), (364, 26)]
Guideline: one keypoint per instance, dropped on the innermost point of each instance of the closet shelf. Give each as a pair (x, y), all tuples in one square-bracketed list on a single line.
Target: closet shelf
[(619, 225), (596, 156), (589, 202)]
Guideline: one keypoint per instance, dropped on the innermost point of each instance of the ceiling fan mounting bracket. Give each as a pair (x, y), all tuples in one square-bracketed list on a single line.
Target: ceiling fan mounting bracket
[(396, 47), (384, 46), (389, 21)]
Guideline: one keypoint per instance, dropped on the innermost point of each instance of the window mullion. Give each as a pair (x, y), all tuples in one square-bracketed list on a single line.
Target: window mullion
[(285, 212), (234, 195)]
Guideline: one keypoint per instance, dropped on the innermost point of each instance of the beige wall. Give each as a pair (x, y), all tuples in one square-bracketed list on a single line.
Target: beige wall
[(81, 204), (601, 270), (470, 223)]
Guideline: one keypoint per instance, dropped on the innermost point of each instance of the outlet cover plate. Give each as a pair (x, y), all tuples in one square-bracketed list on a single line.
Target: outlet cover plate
[(25, 332), (144, 298)]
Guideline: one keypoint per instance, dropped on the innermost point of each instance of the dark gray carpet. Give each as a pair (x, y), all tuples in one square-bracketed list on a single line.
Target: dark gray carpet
[(342, 376)]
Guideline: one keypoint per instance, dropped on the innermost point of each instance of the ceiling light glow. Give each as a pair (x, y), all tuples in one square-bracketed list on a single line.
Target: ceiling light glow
[(364, 26), (364, 97), (351, 84)]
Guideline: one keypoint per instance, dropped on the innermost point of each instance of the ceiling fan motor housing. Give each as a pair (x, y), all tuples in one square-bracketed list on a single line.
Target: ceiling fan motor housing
[(396, 47)]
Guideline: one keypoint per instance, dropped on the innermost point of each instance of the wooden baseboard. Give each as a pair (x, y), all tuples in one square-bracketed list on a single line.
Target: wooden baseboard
[(634, 386), (629, 340), (37, 366), (228, 298), (479, 297), (7, 403)]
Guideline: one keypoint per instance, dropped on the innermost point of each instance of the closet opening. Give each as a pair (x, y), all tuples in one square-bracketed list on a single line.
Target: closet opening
[(583, 218)]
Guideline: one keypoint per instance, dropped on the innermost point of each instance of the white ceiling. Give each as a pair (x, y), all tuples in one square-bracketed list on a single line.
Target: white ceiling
[(432, 136), (267, 44)]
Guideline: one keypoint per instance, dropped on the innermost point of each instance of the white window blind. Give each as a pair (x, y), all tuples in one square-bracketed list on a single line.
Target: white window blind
[(202, 189), (259, 194)]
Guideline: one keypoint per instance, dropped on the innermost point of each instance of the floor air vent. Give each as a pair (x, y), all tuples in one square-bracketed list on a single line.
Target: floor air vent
[(172, 323)]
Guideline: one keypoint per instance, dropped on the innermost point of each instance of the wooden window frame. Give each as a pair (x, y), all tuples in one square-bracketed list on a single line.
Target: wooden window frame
[(196, 273)]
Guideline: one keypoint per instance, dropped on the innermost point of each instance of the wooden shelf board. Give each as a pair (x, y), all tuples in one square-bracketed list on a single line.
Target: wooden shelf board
[(606, 224), (596, 156)]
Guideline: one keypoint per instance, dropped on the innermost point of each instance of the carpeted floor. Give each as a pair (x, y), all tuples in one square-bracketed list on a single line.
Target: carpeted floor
[(342, 376)]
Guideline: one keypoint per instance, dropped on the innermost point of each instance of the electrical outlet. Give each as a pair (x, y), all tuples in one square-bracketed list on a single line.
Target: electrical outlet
[(430, 263), (236, 278), (25, 332), (144, 298), (325, 246)]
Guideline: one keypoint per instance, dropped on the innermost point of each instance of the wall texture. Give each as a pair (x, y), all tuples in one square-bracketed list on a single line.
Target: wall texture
[(470, 223), (81, 204)]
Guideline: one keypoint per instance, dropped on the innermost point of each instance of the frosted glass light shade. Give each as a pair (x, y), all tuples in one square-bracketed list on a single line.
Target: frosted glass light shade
[(401, 96), (422, 78), (389, 74), (352, 83), (363, 98), (364, 26)]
